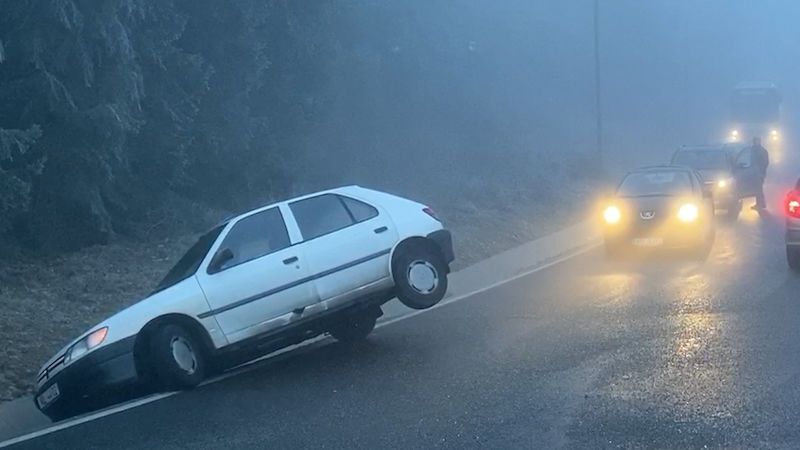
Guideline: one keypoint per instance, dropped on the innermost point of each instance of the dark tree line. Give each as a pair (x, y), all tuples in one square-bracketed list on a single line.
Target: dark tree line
[(108, 109)]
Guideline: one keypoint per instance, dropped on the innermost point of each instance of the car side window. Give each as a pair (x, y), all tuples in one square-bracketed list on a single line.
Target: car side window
[(255, 236), (320, 215), (359, 210)]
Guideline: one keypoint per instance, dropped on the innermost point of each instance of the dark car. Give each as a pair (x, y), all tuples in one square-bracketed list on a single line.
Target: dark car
[(662, 207), (725, 169)]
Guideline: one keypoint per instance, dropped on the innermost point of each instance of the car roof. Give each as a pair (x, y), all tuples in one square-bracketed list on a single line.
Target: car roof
[(351, 190), (662, 168), (703, 148)]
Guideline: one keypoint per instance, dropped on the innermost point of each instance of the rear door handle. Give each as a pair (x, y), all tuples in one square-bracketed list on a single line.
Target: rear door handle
[(291, 260), (380, 230)]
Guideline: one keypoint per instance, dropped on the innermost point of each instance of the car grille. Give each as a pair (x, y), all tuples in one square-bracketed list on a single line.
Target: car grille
[(51, 370)]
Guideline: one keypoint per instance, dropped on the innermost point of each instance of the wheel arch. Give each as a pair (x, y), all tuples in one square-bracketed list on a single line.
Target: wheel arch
[(141, 347), (411, 242)]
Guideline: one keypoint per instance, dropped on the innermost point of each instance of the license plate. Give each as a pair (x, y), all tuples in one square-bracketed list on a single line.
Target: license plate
[(648, 242), (48, 396)]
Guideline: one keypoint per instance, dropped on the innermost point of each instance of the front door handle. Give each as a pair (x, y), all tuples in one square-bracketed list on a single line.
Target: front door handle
[(380, 230), (291, 260)]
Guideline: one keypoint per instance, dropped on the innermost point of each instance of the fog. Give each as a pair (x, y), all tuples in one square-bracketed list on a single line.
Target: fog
[(519, 75)]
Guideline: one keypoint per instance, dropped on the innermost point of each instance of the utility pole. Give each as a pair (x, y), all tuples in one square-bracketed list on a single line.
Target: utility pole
[(598, 96)]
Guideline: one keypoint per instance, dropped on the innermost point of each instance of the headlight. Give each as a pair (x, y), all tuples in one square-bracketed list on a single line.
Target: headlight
[(612, 215), (724, 183), (688, 212), (773, 134), (83, 346)]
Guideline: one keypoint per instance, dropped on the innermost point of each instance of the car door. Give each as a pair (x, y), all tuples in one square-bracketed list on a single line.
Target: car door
[(746, 174), (347, 243), (263, 282)]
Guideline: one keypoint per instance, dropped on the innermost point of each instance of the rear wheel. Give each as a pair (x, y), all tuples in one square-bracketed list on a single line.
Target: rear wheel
[(356, 327), (420, 276), (793, 258), (178, 357)]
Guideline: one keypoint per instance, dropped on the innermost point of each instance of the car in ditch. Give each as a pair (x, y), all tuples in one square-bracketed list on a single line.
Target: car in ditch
[(660, 207), (266, 279)]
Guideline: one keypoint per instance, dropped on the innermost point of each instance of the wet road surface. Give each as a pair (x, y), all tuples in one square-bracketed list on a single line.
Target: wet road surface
[(654, 352)]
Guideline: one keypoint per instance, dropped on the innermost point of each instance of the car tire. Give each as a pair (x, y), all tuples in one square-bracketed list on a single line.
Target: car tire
[(356, 327), (793, 258), (420, 276), (732, 214), (178, 357)]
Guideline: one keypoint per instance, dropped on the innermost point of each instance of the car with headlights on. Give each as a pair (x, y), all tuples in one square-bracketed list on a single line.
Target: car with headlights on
[(660, 207), (269, 278), (716, 165)]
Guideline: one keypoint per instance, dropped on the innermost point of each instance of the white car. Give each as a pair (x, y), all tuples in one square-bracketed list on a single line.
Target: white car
[(269, 278)]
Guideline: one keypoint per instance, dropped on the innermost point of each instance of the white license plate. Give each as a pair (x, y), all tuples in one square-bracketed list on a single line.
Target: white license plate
[(48, 396), (648, 242)]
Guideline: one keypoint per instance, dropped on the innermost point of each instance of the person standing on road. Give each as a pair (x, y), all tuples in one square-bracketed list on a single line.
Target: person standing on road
[(760, 161)]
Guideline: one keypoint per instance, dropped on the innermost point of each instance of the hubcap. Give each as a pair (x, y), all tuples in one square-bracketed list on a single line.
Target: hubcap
[(183, 354), (423, 276)]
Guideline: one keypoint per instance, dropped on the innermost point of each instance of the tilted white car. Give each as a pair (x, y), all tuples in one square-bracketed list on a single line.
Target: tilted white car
[(269, 278)]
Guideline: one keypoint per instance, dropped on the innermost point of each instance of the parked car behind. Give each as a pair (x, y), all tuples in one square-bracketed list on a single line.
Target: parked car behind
[(266, 279)]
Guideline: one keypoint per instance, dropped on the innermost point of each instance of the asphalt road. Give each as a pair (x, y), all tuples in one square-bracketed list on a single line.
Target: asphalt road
[(588, 353)]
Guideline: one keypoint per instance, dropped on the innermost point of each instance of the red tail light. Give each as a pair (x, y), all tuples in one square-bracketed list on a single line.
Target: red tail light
[(792, 204), (431, 213)]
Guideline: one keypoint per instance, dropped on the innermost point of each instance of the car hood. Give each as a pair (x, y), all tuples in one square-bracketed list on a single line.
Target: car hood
[(185, 298)]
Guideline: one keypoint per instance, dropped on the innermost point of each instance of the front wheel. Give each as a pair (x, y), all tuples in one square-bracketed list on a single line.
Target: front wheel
[(793, 258), (420, 276), (178, 357)]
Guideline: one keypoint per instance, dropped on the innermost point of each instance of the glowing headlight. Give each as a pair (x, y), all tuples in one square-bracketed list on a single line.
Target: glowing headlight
[(724, 183), (773, 135), (735, 133), (688, 212), (83, 346), (612, 215)]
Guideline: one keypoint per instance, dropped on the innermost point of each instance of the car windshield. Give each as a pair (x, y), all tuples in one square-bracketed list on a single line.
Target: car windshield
[(702, 159), (640, 184), (190, 261)]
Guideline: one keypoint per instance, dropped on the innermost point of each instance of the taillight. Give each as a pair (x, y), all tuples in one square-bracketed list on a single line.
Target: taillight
[(792, 204), (431, 213)]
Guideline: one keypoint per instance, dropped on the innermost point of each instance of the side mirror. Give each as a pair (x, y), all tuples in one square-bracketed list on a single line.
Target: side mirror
[(220, 258)]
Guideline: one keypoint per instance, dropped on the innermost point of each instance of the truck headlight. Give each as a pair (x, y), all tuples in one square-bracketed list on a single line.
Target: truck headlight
[(89, 342)]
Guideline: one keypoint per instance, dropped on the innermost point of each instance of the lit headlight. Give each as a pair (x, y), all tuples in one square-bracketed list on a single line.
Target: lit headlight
[(83, 346), (612, 215), (724, 183), (688, 212), (773, 134)]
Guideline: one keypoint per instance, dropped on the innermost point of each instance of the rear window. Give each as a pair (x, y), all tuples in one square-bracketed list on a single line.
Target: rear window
[(360, 210), (320, 215), (702, 160), (655, 183)]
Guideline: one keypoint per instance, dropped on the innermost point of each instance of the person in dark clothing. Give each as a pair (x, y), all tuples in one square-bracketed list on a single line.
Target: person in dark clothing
[(760, 161)]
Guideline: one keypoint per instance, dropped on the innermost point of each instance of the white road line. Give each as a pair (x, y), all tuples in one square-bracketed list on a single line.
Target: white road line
[(252, 365), (87, 418)]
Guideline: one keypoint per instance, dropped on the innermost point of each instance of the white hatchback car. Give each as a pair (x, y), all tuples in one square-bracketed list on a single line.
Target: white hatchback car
[(266, 279)]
